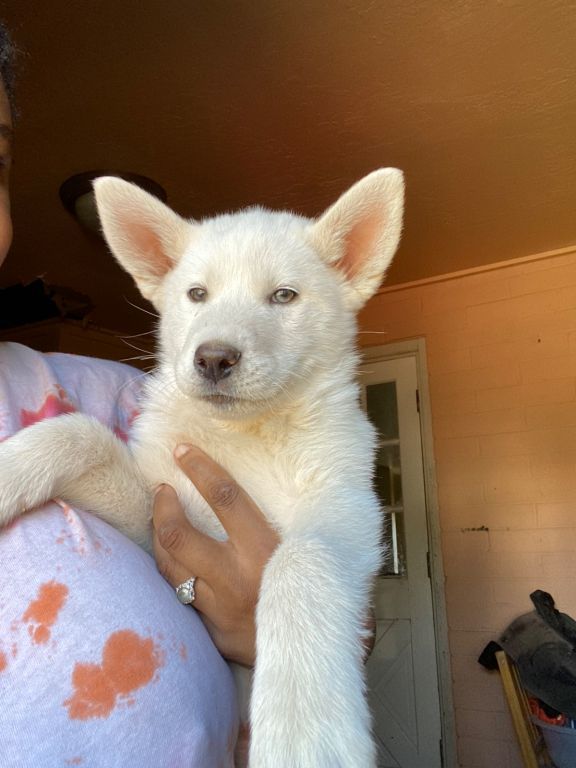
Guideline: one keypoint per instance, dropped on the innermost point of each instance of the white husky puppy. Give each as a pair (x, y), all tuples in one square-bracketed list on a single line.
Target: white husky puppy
[(257, 367)]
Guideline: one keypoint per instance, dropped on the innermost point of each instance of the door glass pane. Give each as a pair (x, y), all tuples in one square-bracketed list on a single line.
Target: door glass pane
[(382, 407)]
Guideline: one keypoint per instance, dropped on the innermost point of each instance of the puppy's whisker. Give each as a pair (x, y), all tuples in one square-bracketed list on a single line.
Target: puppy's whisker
[(136, 335), (137, 357), (138, 349), (132, 382), (146, 311)]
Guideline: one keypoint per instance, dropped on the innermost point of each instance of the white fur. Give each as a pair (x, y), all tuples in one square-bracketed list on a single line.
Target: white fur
[(291, 433)]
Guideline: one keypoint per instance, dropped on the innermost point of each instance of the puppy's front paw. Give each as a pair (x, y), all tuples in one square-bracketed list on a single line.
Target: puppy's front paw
[(23, 484)]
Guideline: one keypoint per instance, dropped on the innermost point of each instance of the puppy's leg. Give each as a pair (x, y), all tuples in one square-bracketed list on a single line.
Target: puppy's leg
[(308, 705), (78, 459)]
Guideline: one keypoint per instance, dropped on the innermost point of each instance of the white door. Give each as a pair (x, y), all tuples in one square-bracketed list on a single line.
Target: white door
[(402, 671)]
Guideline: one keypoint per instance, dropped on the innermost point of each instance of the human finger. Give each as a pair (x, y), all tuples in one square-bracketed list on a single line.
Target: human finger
[(176, 574), (238, 513), (174, 537), (172, 570)]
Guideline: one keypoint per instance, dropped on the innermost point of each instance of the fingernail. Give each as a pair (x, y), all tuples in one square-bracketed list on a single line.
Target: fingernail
[(159, 488), (181, 450)]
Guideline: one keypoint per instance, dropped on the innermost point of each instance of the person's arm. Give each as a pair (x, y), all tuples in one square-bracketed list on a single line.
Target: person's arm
[(228, 573)]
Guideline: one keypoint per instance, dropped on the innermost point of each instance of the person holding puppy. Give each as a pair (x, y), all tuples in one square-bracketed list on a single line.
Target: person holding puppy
[(100, 664)]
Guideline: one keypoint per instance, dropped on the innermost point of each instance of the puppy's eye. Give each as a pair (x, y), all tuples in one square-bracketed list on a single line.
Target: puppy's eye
[(283, 296), (197, 294)]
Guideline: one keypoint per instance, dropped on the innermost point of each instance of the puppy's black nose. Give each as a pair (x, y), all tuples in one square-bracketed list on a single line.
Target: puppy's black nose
[(215, 361)]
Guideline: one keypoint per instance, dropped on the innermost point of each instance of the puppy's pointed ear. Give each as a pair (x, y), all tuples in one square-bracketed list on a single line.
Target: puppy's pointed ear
[(359, 234), (145, 236)]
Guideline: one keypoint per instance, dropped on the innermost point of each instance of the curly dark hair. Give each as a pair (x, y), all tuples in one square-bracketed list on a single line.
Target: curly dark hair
[(7, 63)]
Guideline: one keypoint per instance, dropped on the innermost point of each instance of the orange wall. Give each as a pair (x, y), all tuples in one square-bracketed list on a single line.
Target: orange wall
[(502, 364)]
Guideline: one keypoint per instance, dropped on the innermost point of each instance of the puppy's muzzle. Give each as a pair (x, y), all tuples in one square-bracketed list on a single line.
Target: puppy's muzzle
[(215, 361)]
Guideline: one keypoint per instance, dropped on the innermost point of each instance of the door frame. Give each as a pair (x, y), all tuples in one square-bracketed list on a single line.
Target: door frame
[(417, 348)]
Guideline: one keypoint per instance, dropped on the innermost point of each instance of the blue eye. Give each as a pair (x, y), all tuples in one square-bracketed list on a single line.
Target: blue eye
[(197, 294), (283, 296)]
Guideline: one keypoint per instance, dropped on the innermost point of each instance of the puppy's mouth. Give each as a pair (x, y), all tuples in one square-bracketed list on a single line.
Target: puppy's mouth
[(225, 400), (230, 405), (221, 400)]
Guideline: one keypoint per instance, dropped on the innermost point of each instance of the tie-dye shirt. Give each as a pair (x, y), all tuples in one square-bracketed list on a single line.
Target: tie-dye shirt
[(100, 665)]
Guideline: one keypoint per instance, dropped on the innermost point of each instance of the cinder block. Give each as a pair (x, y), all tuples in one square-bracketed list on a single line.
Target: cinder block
[(498, 399), (555, 277), (510, 483), (486, 316), (476, 379), (530, 393), (513, 473), (482, 753), (454, 449), (489, 564), (559, 515), (476, 724), (541, 346), (445, 322), (535, 442), (463, 469), (467, 642), (464, 400), (480, 613), (551, 415), (541, 540), (559, 565), (554, 478), (459, 495), (470, 588), (459, 294), (516, 592), (449, 360), (560, 367), (485, 694), (490, 516), (502, 421), (483, 699)]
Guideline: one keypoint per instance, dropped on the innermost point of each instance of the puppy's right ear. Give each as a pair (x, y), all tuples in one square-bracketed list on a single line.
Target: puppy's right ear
[(145, 236)]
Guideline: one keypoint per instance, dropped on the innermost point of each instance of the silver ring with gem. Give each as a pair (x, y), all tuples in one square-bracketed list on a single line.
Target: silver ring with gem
[(185, 591)]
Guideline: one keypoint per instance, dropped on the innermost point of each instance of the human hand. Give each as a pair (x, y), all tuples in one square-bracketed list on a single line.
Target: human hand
[(228, 573)]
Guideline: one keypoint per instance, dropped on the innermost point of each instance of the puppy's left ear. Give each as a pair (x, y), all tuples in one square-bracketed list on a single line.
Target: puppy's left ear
[(359, 234)]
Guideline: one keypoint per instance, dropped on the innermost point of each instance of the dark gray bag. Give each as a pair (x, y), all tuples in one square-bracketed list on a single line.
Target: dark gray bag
[(543, 646)]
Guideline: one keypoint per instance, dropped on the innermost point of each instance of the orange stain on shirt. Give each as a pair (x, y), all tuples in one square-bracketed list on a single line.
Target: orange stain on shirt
[(129, 662), (39, 635), (44, 610), (3, 661)]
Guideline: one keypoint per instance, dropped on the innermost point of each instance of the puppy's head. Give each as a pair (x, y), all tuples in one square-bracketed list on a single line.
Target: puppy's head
[(254, 306)]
